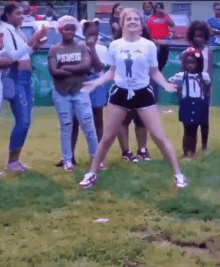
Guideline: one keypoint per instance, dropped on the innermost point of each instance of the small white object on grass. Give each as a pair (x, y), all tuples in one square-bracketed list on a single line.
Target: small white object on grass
[(168, 111), (102, 220)]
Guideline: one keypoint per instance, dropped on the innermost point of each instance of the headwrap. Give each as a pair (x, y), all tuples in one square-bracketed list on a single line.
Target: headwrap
[(65, 20)]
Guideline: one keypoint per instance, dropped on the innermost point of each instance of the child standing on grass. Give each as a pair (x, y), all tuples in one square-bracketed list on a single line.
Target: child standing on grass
[(198, 36), (68, 64), (194, 104)]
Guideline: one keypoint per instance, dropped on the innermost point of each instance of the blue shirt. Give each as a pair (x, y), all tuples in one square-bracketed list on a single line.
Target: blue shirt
[(215, 24)]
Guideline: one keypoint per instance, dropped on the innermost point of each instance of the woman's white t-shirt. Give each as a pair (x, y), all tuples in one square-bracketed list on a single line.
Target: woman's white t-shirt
[(132, 61)]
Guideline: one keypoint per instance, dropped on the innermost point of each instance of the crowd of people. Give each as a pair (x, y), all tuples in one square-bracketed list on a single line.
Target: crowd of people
[(80, 71)]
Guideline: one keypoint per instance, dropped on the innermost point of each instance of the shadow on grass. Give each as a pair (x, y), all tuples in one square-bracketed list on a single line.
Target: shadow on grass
[(31, 189), (152, 182)]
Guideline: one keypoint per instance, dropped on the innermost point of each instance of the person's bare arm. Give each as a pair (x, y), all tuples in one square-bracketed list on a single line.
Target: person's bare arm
[(38, 35), (5, 62), (96, 63), (92, 85), (158, 77), (171, 22)]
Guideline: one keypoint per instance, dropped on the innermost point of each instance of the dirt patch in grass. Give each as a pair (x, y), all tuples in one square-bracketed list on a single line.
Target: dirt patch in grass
[(134, 264), (210, 247)]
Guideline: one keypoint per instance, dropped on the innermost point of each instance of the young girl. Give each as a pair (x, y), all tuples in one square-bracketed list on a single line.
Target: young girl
[(132, 93), (198, 36), (194, 103), (158, 26), (68, 64), (99, 98)]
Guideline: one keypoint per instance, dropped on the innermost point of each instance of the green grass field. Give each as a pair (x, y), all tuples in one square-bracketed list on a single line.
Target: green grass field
[(46, 220)]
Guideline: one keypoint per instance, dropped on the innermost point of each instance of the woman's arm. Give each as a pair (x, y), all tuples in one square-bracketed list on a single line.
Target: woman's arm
[(170, 21), (83, 66), (108, 76), (5, 62), (10, 49), (38, 35), (96, 63), (158, 77)]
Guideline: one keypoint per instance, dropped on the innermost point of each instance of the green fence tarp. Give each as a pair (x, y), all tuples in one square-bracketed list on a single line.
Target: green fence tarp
[(42, 82), (215, 99)]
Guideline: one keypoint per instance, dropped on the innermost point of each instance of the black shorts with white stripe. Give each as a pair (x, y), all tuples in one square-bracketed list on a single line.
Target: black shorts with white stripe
[(143, 97)]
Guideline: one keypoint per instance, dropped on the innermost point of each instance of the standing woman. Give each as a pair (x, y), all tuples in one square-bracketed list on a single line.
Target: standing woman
[(136, 95), (68, 64), (5, 62), (115, 18), (158, 26), (19, 50), (147, 11)]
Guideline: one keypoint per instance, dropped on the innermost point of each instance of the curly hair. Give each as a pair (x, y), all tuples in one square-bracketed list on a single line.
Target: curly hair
[(198, 25)]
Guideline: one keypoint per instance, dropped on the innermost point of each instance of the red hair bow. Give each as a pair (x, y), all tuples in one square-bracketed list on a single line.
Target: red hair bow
[(194, 51)]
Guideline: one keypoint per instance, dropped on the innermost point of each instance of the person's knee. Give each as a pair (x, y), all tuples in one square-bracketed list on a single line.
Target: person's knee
[(107, 140), (65, 123)]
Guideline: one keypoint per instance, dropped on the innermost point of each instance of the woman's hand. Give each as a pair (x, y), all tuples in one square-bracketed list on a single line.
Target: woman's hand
[(170, 87), (42, 32), (89, 86), (39, 43)]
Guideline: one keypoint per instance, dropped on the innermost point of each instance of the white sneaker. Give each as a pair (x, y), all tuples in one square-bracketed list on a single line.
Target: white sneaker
[(15, 166), (23, 165), (89, 180), (180, 180), (68, 166)]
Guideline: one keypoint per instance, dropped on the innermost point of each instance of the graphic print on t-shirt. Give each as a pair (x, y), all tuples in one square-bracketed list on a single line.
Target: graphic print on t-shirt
[(69, 57), (128, 65)]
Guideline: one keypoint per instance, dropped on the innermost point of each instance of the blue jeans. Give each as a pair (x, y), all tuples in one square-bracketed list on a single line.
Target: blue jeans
[(21, 106), (77, 104)]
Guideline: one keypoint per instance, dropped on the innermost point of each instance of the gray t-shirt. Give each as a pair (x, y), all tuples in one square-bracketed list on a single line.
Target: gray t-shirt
[(68, 55)]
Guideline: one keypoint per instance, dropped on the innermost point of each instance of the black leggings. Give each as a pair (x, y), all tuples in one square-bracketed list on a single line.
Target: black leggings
[(190, 138)]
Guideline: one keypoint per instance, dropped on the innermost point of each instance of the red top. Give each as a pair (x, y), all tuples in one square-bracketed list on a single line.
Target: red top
[(158, 27)]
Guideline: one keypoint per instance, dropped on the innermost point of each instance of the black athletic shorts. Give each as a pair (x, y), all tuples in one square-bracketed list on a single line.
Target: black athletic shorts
[(143, 97)]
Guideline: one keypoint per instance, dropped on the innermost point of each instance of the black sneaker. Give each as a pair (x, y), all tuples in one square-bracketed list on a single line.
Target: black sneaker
[(143, 156), (60, 164), (128, 156)]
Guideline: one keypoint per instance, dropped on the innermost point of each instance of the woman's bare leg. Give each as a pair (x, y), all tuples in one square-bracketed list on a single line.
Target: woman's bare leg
[(152, 120), (115, 116)]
